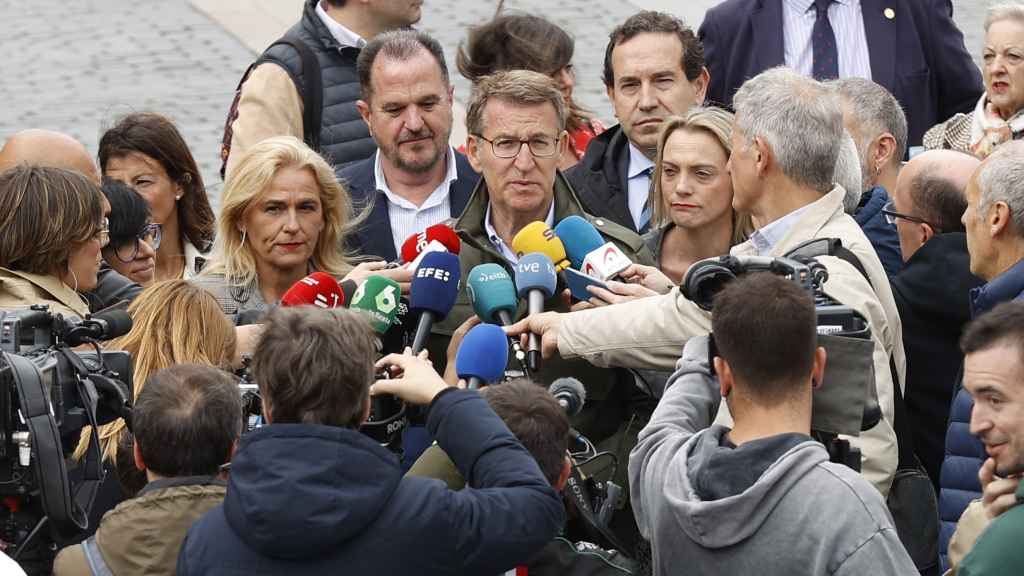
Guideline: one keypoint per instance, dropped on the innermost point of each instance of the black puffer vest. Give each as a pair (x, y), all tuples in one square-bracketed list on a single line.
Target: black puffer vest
[(344, 136)]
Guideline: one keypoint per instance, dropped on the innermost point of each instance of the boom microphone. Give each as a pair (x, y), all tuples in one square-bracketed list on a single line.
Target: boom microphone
[(435, 286), (570, 393), (539, 237), (378, 297), (102, 325), (535, 281), (482, 356), (436, 238), (579, 238), (318, 289)]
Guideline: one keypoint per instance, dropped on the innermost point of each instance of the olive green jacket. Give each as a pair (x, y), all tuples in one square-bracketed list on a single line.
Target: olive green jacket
[(477, 249)]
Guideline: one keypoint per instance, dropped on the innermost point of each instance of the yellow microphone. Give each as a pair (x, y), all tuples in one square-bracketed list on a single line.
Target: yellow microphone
[(539, 237)]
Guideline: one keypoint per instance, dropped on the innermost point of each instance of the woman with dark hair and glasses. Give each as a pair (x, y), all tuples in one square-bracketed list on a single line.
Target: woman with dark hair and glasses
[(134, 238)]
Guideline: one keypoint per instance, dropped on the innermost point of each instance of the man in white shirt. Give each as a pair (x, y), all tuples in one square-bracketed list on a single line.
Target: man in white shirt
[(415, 179), (653, 69)]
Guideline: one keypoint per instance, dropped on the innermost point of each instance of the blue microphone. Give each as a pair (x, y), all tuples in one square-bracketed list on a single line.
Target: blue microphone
[(535, 281), (579, 238), (435, 286), (482, 356)]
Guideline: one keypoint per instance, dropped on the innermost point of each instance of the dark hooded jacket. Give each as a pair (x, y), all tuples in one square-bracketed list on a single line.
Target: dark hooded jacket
[(307, 499), (931, 293)]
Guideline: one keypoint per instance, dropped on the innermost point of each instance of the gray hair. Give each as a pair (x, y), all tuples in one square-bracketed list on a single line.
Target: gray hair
[(876, 111), (399, 46), (1006, 11), (522, 87), (799, 118), (847, 173), (1001, 179)]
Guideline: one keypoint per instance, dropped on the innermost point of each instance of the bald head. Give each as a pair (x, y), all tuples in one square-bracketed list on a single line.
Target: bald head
[(48, 149), (932, 187)]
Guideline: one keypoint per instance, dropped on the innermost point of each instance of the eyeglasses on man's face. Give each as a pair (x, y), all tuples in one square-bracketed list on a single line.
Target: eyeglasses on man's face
[(540, 146), (891, 215), (127, 251)]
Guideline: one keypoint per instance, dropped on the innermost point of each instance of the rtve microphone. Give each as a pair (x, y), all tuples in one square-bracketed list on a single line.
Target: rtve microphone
[(570, 393), (535, 281), (378, 297), (102, 325), (539, 237), (435, 286), (436, 238), (482, 356), (579, 238), (494, 299), (318, 289)]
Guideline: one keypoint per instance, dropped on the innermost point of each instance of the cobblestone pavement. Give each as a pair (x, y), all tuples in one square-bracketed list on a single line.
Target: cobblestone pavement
[(75, 66)]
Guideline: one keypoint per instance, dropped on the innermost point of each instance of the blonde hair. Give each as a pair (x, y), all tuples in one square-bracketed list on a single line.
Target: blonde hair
[(714, 121), (173, 322), (251, 178)]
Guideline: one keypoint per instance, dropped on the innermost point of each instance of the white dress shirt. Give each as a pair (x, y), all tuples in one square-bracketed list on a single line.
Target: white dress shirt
[(343, 35), (766, 237), (407, 218), (639, 183), (506, 250), (847, 20)]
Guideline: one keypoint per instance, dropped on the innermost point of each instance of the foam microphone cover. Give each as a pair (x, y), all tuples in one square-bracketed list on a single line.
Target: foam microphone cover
[(579, 238), (117, 322), (435, 284), (441, 233), (379, 298), (539, 237), (491, 291), (535, 272), (483, 354), (318, 289)]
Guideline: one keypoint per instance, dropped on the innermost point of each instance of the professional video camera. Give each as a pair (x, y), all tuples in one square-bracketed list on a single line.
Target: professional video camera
[(48, 393), (847, 401)]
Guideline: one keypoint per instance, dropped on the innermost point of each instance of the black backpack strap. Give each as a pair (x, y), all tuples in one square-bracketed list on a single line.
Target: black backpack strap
[(904, 439), (312, 91), (312, 94)]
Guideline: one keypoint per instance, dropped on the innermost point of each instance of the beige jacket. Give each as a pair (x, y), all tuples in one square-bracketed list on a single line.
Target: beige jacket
[(270, 105), (22, 289), (650, 333)]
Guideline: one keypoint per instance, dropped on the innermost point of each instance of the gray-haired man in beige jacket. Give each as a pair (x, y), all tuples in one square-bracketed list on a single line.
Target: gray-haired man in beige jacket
[(785, 142)]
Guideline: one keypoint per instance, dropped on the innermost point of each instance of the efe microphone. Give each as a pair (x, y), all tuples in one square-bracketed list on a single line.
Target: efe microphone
[(535, 281), (435, 286), (482, 356)]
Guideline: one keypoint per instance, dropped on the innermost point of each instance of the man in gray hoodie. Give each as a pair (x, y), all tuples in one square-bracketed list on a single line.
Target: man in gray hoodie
[(761, 497)]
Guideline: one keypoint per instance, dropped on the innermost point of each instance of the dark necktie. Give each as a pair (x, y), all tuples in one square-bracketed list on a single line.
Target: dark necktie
[(823, 44), (645, 215)]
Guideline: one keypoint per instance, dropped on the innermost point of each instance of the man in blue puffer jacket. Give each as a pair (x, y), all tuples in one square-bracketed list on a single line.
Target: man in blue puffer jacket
[(994, 220)]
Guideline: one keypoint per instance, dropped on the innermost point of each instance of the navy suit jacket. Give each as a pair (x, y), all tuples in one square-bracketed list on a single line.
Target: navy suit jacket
[(374, 237), (918, 55)]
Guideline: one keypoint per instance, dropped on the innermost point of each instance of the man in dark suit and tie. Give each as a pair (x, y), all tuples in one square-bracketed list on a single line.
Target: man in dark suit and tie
[(911, 47), (415, 179)]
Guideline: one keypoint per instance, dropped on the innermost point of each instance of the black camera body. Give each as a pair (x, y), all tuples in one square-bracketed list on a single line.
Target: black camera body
[(847, 402), (48, 394)]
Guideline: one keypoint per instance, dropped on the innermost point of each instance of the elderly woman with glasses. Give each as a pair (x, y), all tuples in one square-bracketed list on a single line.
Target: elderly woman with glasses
[(54, 230), (134, 238)]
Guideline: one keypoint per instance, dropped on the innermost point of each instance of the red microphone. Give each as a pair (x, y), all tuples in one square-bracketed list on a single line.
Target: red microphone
[(318, 289), (436, 238)]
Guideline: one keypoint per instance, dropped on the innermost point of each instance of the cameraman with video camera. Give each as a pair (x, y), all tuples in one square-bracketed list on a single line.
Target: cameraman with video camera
[(310, 494), (761, 496)]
